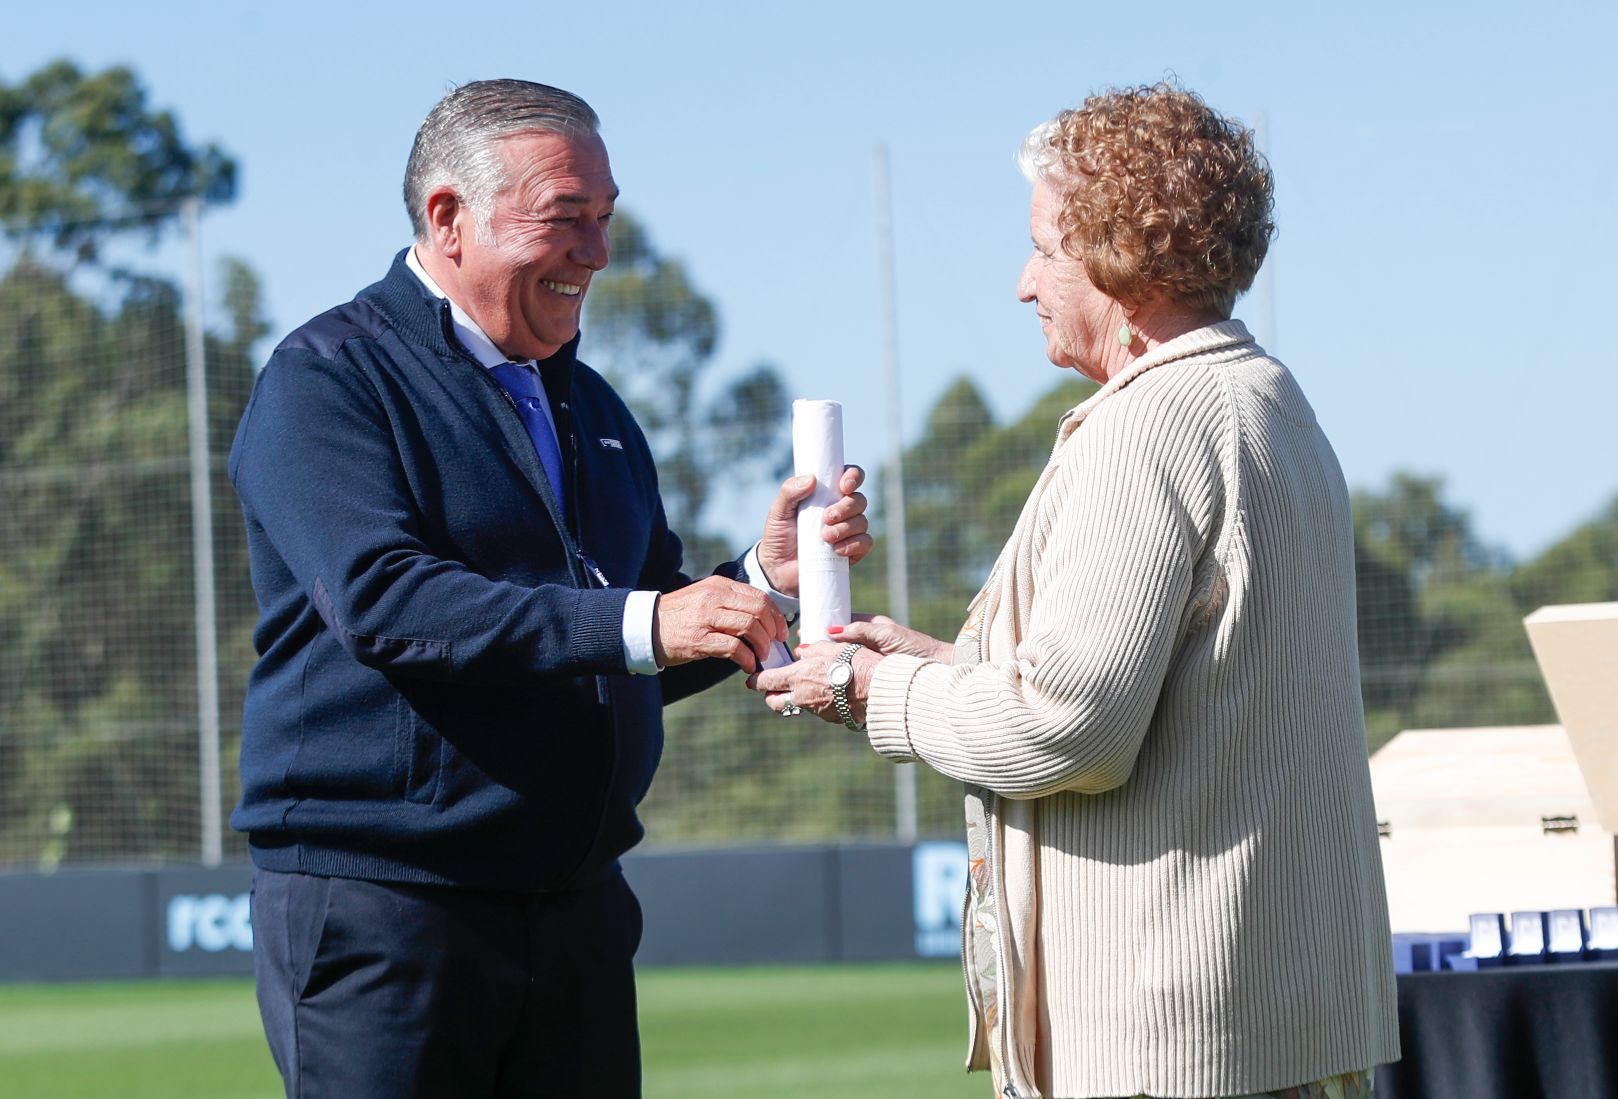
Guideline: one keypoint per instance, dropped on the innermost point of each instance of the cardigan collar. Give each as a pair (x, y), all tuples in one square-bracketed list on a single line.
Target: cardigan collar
[(1214, 337)]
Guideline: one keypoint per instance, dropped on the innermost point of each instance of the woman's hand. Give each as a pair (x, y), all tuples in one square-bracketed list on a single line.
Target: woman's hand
[(805, 685), (882, 634)]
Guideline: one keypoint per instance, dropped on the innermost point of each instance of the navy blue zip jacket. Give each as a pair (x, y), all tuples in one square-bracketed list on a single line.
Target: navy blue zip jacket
[(441, 695)]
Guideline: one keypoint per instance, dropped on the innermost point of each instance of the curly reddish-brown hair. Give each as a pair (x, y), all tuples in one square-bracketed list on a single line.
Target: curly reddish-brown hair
[(1160, 194)]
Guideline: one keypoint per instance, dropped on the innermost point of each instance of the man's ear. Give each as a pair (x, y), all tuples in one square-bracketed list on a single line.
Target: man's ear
[(444, 221)]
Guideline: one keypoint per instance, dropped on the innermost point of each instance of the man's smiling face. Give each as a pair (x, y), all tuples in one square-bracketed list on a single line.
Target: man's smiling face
[(526, 277)]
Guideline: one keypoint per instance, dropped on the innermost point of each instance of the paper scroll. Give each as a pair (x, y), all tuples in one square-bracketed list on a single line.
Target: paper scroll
[(817, 448)]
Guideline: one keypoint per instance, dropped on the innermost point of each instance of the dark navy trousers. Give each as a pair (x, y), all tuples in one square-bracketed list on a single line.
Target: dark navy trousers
[(378, 990)]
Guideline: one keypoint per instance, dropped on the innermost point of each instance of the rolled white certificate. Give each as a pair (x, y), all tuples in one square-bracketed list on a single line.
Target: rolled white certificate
[(817, 448)]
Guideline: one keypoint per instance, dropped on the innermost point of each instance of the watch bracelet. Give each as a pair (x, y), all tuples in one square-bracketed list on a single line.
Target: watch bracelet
[(839, 695)]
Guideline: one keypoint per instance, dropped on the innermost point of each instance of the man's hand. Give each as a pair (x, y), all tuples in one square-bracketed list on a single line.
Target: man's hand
[(716, 617), (845, 528)]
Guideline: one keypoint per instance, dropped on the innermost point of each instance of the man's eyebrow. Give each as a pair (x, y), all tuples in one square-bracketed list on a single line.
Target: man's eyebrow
[(583, 200)]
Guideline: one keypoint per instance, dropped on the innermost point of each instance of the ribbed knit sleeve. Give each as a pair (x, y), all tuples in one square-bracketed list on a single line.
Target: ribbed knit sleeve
[(1107, 562)]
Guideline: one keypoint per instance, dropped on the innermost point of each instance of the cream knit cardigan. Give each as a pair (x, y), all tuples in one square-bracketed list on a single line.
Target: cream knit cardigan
[(1158, 692)]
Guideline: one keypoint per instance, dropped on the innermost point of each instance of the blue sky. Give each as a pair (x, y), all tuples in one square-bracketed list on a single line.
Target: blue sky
[(1445, 187)]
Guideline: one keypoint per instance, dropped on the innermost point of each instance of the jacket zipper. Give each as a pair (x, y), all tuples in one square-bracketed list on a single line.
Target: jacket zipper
[(581, 566), (588, 562), (552, 507), (592, 568)]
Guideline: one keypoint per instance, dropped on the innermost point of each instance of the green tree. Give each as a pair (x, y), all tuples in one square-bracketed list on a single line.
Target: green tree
[(97, 695), (654, 334), (1441, 637), (965, 482), (84, 157), (1581, 568), (97, 702)]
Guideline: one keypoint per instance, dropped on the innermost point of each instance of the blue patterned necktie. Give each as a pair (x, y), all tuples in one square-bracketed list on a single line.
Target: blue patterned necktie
[(522, 383)]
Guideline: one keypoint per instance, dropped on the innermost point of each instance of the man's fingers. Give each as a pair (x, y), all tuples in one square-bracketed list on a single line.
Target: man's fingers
[(744, 641), (854, 548), (746, 608), (835, 532), (735, 650), (759, 640), (725, 646), (793, 491), (716, 617), (737, 622), (850, 507)]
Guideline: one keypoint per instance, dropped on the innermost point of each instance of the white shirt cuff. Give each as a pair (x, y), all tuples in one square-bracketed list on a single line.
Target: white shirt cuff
[(640, 656), (786, 604), (779, 655)]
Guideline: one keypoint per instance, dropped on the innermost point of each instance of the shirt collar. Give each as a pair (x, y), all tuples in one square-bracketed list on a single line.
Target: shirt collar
[(467, 331)]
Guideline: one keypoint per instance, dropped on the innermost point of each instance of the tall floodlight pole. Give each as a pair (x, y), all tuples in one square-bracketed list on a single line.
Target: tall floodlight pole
[(1265, 320), (904, 778), (196, 393)]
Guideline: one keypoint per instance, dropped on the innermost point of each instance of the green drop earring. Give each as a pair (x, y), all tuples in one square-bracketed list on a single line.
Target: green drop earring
[(1126, 335)]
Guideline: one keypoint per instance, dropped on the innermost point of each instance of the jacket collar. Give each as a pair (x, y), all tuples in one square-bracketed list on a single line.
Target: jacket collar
[(417, 315), (1222, 336)]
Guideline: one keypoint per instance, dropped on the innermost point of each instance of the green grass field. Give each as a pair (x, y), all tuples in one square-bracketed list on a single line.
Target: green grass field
[(895, 1031)]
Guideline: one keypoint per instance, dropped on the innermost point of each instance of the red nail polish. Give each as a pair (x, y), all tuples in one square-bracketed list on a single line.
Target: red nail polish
[(834, 629)]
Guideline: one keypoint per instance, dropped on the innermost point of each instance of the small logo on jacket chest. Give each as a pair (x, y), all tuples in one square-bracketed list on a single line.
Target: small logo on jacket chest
[(611, 444)]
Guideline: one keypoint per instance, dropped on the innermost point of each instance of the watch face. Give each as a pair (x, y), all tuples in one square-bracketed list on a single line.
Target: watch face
[(839, 675)]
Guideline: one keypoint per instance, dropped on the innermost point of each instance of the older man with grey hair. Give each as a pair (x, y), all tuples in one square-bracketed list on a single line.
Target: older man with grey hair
[(472, 612)]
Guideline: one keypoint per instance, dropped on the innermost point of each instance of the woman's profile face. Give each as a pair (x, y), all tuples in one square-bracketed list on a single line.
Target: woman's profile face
[(1078, 319)]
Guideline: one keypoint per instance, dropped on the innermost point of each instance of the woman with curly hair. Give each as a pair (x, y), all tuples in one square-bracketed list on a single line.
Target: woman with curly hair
[(1175, 884)]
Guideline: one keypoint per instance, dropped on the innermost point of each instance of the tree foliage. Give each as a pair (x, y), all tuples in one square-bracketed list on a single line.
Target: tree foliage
[(1581, 568), (83, 157), (965, 482), (97, 688), (1441, 637), (654, 334)]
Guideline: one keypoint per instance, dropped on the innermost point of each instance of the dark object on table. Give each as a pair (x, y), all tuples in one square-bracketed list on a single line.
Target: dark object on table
[(1425, 952)]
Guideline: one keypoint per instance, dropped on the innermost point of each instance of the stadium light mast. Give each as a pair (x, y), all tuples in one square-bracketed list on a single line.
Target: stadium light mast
[(202, 563), (904, 778)]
